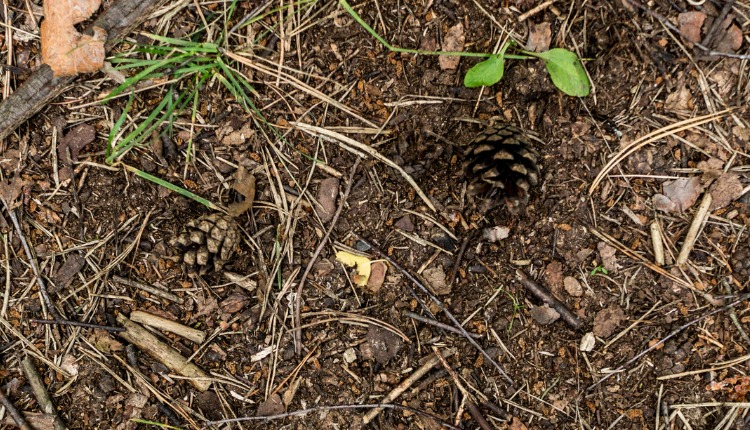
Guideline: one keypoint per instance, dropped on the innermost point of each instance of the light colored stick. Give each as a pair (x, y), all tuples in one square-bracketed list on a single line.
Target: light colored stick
[(319, 131), (40, 393), (161, 323), (165, 354), (657, 243), (535, 10), (700, 216), (406, 383)]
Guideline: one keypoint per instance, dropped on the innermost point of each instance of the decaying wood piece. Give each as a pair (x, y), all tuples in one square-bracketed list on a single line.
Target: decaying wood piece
[(42, 87), (165, 354), (40, 393)]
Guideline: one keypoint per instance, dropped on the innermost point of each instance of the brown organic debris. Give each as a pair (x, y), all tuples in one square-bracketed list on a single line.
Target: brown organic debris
[(71, 145), (453, 41), (690, 24), (66, 51), (327, 193), (607, 320), (540, 37), (378, 270), (245, 186), (725, 190)]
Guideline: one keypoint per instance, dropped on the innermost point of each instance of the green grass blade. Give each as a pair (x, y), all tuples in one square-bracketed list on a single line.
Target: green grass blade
[(172, 187)]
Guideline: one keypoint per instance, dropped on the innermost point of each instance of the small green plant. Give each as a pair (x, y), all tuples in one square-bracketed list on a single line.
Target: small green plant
[(599, 269), (564, 67), (186, 66), (154, 423), (189, 66), (517, 308)]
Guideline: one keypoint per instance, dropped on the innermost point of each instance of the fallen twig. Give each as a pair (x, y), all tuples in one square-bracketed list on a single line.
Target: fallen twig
[(165, 354), (408, 382), (435, 323), (661, 342), (79, 324), (440, 304), (545, 296), (308, 269), (194, 335), (148, 288), (700, 216), (13, 412), (473, 410), (40, 392)]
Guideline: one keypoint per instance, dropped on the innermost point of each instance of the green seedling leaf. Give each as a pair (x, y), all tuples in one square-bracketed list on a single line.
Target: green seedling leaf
[(486, 73), (566, 71)]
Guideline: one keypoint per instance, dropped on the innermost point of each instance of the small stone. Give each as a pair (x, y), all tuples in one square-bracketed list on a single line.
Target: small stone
[(350, 355), (572, 286), (405, 223), (588, 341)]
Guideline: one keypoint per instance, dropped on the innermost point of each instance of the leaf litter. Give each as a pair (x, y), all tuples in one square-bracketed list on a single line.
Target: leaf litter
[(530, 241)]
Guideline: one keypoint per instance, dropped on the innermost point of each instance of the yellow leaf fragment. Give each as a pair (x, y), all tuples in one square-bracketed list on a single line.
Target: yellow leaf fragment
[(66, 51), (362, 265)]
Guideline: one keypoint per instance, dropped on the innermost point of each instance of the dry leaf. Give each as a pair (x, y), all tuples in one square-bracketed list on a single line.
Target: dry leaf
[(588, 342), (66, 51), (381, 345), (553, 276), (105, 342), (725, 190), (11, 190), (495, 234), (517, 424), (544, 314), (436, 279), (453, 41), (690, 25), (245, 186), (680, 99), (272, 406), (683, 192), (71, 145), (362, 264), (540, 36), (67, 272), (607, 254), (607, 320)]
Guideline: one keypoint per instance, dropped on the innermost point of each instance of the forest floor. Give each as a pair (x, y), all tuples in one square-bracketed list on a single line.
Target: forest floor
[(657, 156)]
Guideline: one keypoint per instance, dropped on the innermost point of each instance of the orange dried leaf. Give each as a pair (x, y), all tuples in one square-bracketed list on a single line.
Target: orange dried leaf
[(66, 51)]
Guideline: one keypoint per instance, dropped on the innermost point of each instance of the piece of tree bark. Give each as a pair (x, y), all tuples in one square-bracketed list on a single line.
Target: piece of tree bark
[(41, 87)]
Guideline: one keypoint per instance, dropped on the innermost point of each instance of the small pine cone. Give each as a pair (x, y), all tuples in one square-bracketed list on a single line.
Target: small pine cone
[(502, 160), (740, 262), (208, 242)]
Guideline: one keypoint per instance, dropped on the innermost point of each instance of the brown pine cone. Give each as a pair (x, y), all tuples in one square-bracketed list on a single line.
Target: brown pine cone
[(501, 161), (208, 242)]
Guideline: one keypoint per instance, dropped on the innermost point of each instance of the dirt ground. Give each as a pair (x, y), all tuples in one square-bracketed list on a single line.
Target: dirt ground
[(661, 345)]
